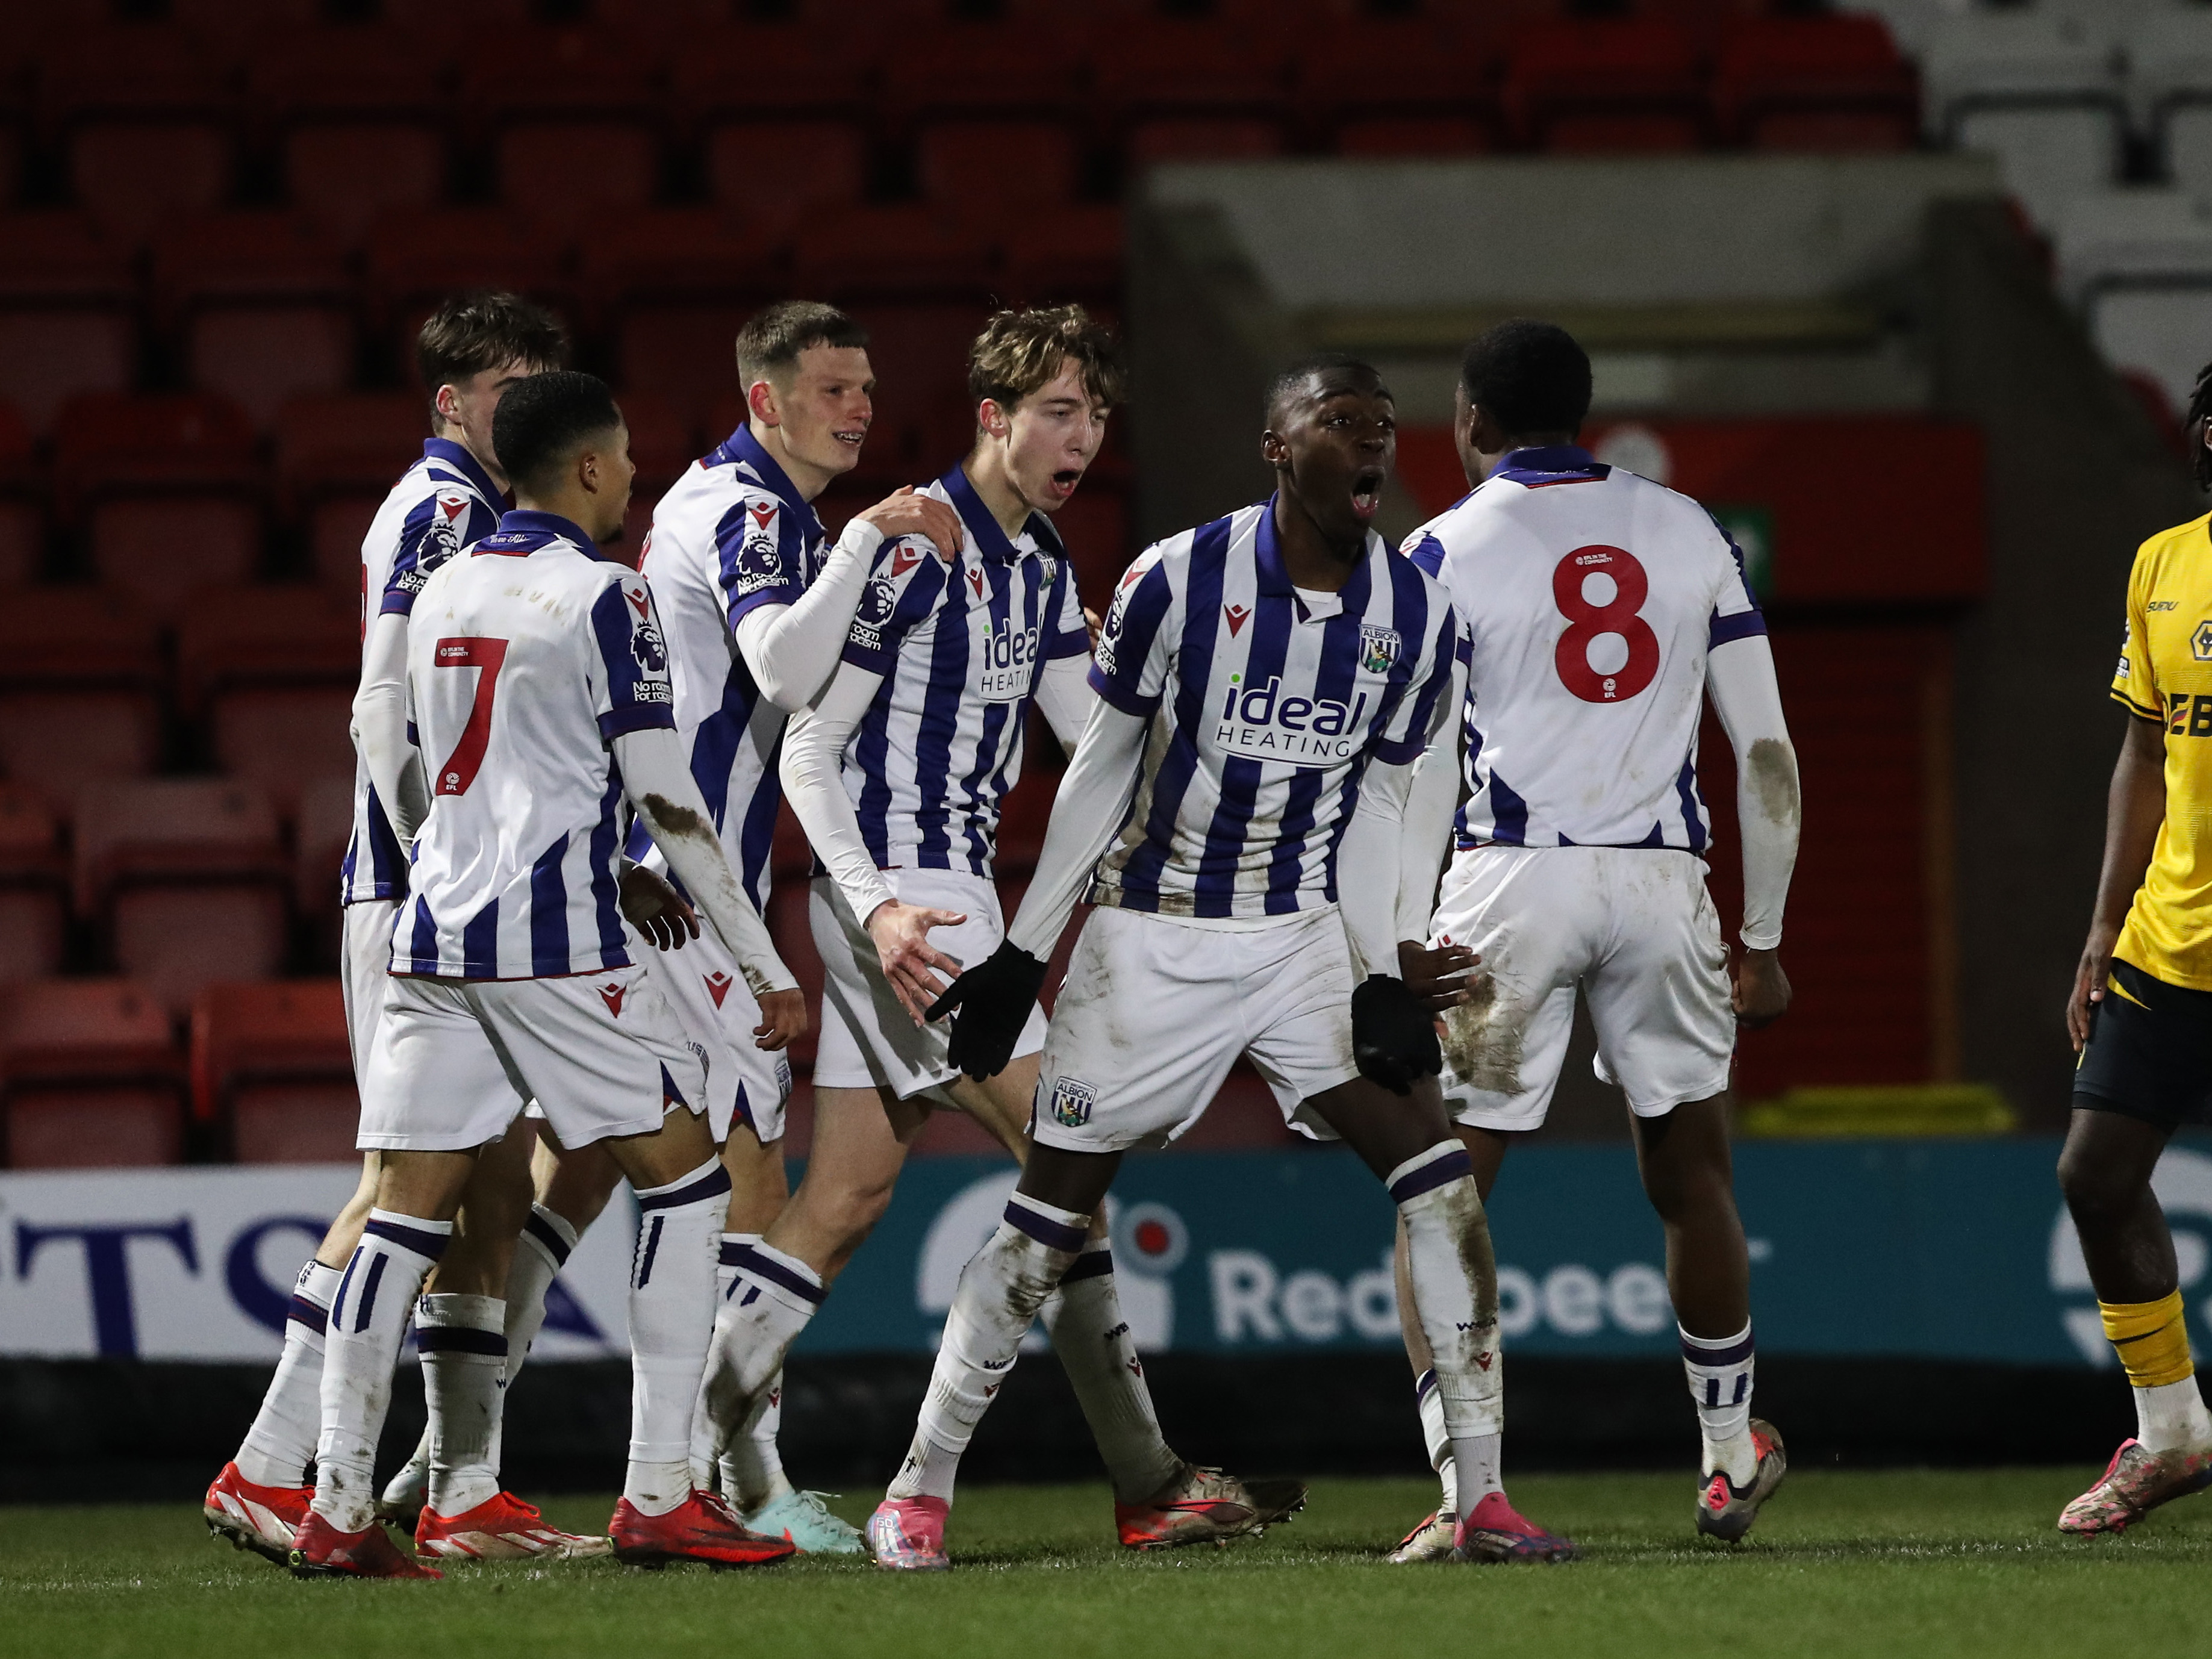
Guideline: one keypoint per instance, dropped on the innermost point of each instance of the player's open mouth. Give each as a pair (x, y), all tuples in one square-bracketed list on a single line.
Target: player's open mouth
[(1065, 480), (1367, 491), (855, 437)]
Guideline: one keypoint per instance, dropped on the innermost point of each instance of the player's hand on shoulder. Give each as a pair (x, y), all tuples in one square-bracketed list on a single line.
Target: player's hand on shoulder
[(1762, 989), (655, 909), (2090, 974), (1438, 978), (993, 999), (783, 1019), (1394, 1035), (907, 511), (910, 962)]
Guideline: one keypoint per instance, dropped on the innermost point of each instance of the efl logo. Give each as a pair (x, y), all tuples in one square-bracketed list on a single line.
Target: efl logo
[(1262, 724), (1072, 1101)]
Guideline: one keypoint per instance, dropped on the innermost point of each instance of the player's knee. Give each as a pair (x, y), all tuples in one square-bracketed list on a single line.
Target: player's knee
[(2096, 1187)]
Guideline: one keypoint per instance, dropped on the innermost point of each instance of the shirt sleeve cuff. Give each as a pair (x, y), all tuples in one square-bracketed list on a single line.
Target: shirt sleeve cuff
[(1743, 625), (397, 602), (2137, 708), (876, 662), (635, 717), (1396, 751), (1128, 701), (787, 593), (1077, 644)]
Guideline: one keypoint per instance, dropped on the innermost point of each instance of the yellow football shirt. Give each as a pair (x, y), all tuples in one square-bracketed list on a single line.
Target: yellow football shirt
[(2165, 675)]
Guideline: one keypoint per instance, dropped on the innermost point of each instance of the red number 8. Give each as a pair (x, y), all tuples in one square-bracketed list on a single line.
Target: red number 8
[(1587, 622)]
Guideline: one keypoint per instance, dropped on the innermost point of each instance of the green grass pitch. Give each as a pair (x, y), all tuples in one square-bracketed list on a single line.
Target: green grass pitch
[(1894, 1564)]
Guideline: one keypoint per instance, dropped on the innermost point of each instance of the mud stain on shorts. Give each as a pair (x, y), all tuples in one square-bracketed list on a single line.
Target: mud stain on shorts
[(1482, 1039)]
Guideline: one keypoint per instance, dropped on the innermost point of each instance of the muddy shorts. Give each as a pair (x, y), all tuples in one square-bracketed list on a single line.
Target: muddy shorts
[(1633, 927), (1155, 1011)]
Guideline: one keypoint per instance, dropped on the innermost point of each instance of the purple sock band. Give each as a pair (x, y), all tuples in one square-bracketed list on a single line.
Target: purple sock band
[(1430, 1176), (1055, 1235), (747, 1260), (423, 1243), (713, 1184), (1091, 1264), (1698, 1352), (1425, 1385), (550, 1235), (304, 1313), (460, 1339)]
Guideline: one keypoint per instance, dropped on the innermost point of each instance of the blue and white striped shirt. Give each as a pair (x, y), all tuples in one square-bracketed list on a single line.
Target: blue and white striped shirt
[(441, 504), (1266, 708), (960, 648), (731, 534), (525, 659)]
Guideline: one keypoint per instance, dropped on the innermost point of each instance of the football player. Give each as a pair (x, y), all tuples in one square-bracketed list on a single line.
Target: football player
[(1235, 810), (539, 689), (469, 352), (897, 772), (2140, 1017), (1603, 610)]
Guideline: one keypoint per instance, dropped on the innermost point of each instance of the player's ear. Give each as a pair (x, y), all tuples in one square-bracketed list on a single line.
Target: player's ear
[(761, 402), (993, 418), (1274, 450)]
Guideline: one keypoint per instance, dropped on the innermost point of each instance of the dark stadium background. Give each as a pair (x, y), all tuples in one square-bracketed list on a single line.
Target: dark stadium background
[(221, 220)]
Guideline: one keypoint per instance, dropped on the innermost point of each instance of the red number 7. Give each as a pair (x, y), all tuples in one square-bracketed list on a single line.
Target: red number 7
[(460, 769)]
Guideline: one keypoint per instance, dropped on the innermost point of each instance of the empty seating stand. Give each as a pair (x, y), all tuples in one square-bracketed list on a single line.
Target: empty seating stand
[(338, 456), (68, 318), (90, 1076), (80, 678), (2042, 91), (33, 904), (189, 879), (270, 671), (259, 308), (272, 1072)]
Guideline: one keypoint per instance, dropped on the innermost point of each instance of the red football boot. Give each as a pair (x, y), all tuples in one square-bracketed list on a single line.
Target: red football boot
[(321, 1551), (702, 1528), (262, 1519), (500, 1528)]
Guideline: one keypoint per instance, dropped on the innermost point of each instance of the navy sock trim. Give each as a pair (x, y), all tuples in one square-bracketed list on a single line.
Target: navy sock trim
[(1425, 1385), (429, 1244), (1430, 1177), (460, 1339), (769, 1271), (1091, 1264), (713, 1184), (1057, 1235), (305, 1313), (550, 1235), (1713, 1359)]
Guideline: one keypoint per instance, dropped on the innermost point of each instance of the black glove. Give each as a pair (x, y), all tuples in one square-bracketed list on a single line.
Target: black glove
[(1394, 1037), (994, 999)]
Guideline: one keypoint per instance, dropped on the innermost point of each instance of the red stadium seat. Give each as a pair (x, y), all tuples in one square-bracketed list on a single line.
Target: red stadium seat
[(337, 528), (1399, 85), (1072, 254), (995, 70), (685, 353), (361, 121), (263, 306), (144, 109), (1202, 138), (416, 259), (347, 445), (1095, 528), (168, 444), (663, 442), (190, 877), (922, 419), (773, 174), (1413, 135), (770, 74), (272, 671), (1198, 67), (158, 549), (66, 312), (1605, 83), (1816, 82), (345, 176), (571, 109), (80, 672), (906, 251), (22, 525), (681, 255), (570, 173), (90, 1076), (324, 826), (997, 170), (272, 1061), (33, 906)]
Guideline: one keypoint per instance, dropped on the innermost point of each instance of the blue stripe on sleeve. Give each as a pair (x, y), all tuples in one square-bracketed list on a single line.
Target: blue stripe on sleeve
[(1428, 554), (1743, 625), (1132, 629)]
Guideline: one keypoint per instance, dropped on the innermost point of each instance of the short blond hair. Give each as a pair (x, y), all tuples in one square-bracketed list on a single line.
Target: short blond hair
[(1020, 352)]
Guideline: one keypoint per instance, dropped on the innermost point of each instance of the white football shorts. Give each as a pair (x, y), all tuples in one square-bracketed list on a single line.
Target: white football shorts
[(364, 946), (868, 1039), (604, 1055), (745, 1084), (1634, 927), (1155, 1011)]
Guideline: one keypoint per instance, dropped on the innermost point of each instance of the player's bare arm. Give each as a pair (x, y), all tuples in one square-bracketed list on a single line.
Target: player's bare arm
[(2135, 806)]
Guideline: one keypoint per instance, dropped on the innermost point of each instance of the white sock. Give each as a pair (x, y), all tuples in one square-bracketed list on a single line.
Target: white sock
[(369, 1318), (463, 1341), (770, 1297), (1719, 1370), (1438, 1441), (1454, 1278), (704, 1472), (751, 1467), (1001, 1289), (1100, 1357), (672, 1297), (2168, 1417), (278, 1447), (539, 1254)]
